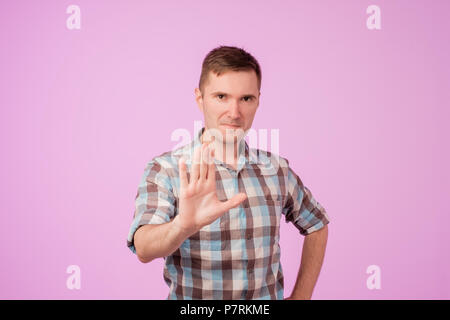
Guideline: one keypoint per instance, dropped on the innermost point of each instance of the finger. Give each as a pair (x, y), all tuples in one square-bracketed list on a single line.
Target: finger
[(211, 166), (204, 161), (233, 202), (182, 173), (195, 166)]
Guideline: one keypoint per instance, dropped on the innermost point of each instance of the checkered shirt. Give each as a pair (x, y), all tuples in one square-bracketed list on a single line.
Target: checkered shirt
[(238, 255)]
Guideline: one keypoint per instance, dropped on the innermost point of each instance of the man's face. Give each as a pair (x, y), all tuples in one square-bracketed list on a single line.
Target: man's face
[(229, 103)]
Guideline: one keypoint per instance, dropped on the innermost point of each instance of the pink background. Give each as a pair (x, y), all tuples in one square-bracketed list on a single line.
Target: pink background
[(363, 118)]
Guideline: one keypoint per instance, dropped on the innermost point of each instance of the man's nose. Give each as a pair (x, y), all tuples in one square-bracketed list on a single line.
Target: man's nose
[(233, 110)]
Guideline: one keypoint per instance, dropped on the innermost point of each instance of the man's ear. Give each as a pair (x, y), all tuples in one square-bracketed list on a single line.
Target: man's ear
[(199, 98)]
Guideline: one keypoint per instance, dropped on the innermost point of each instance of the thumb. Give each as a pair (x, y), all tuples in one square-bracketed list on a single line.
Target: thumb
[(234, 202)]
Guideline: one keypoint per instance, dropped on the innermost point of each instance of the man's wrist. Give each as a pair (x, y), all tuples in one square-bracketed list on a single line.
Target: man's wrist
[(186, 232), (298, 297)]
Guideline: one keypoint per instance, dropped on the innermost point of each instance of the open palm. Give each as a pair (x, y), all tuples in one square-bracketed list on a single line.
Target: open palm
[(199, 205)]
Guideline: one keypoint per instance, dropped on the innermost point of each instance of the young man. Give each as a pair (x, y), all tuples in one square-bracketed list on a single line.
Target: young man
[(212, 208)]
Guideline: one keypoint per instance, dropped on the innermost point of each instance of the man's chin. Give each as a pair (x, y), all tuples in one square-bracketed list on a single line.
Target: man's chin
[(225, 135)]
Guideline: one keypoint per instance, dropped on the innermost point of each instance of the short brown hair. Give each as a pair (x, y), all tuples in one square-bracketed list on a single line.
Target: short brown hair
[(225, 58)]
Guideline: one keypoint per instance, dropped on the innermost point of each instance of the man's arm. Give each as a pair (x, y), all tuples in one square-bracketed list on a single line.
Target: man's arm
[(198, 206), (311, 263), (159, 240)]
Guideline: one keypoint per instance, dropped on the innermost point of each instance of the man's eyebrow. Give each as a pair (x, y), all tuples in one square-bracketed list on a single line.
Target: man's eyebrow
[(244, 95)]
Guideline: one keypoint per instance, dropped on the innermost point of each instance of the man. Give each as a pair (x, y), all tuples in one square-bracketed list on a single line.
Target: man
[(212, 208)]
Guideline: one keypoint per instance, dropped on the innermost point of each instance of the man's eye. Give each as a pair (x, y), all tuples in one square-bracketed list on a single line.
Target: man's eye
[(246, 99)]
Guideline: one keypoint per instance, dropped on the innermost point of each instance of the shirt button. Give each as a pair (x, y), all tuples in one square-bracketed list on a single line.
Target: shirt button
[(249, 237)]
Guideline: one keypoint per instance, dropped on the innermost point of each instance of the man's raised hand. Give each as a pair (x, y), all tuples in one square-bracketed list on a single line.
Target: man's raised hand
[(199, 205)]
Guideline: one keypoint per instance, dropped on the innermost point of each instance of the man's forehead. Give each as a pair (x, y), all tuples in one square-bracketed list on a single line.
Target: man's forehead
[(232, 82)]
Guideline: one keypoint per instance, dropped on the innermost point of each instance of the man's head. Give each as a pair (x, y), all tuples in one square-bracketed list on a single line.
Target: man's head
[(228, 91)]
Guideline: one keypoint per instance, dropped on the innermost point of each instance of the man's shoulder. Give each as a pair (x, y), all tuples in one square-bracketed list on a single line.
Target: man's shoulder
[(168, 160), (268, 159)]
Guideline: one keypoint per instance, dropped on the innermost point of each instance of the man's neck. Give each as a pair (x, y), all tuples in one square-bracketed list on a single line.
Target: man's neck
[(225, 152)]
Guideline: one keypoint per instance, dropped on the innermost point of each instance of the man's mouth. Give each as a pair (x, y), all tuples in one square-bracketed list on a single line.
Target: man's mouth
[(230, 126)]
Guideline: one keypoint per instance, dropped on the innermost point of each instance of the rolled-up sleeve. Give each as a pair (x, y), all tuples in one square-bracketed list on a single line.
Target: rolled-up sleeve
[(301, 208), (154, 202)]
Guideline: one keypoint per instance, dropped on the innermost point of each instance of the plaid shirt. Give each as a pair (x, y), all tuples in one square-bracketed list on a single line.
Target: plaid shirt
[(238, 255)]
